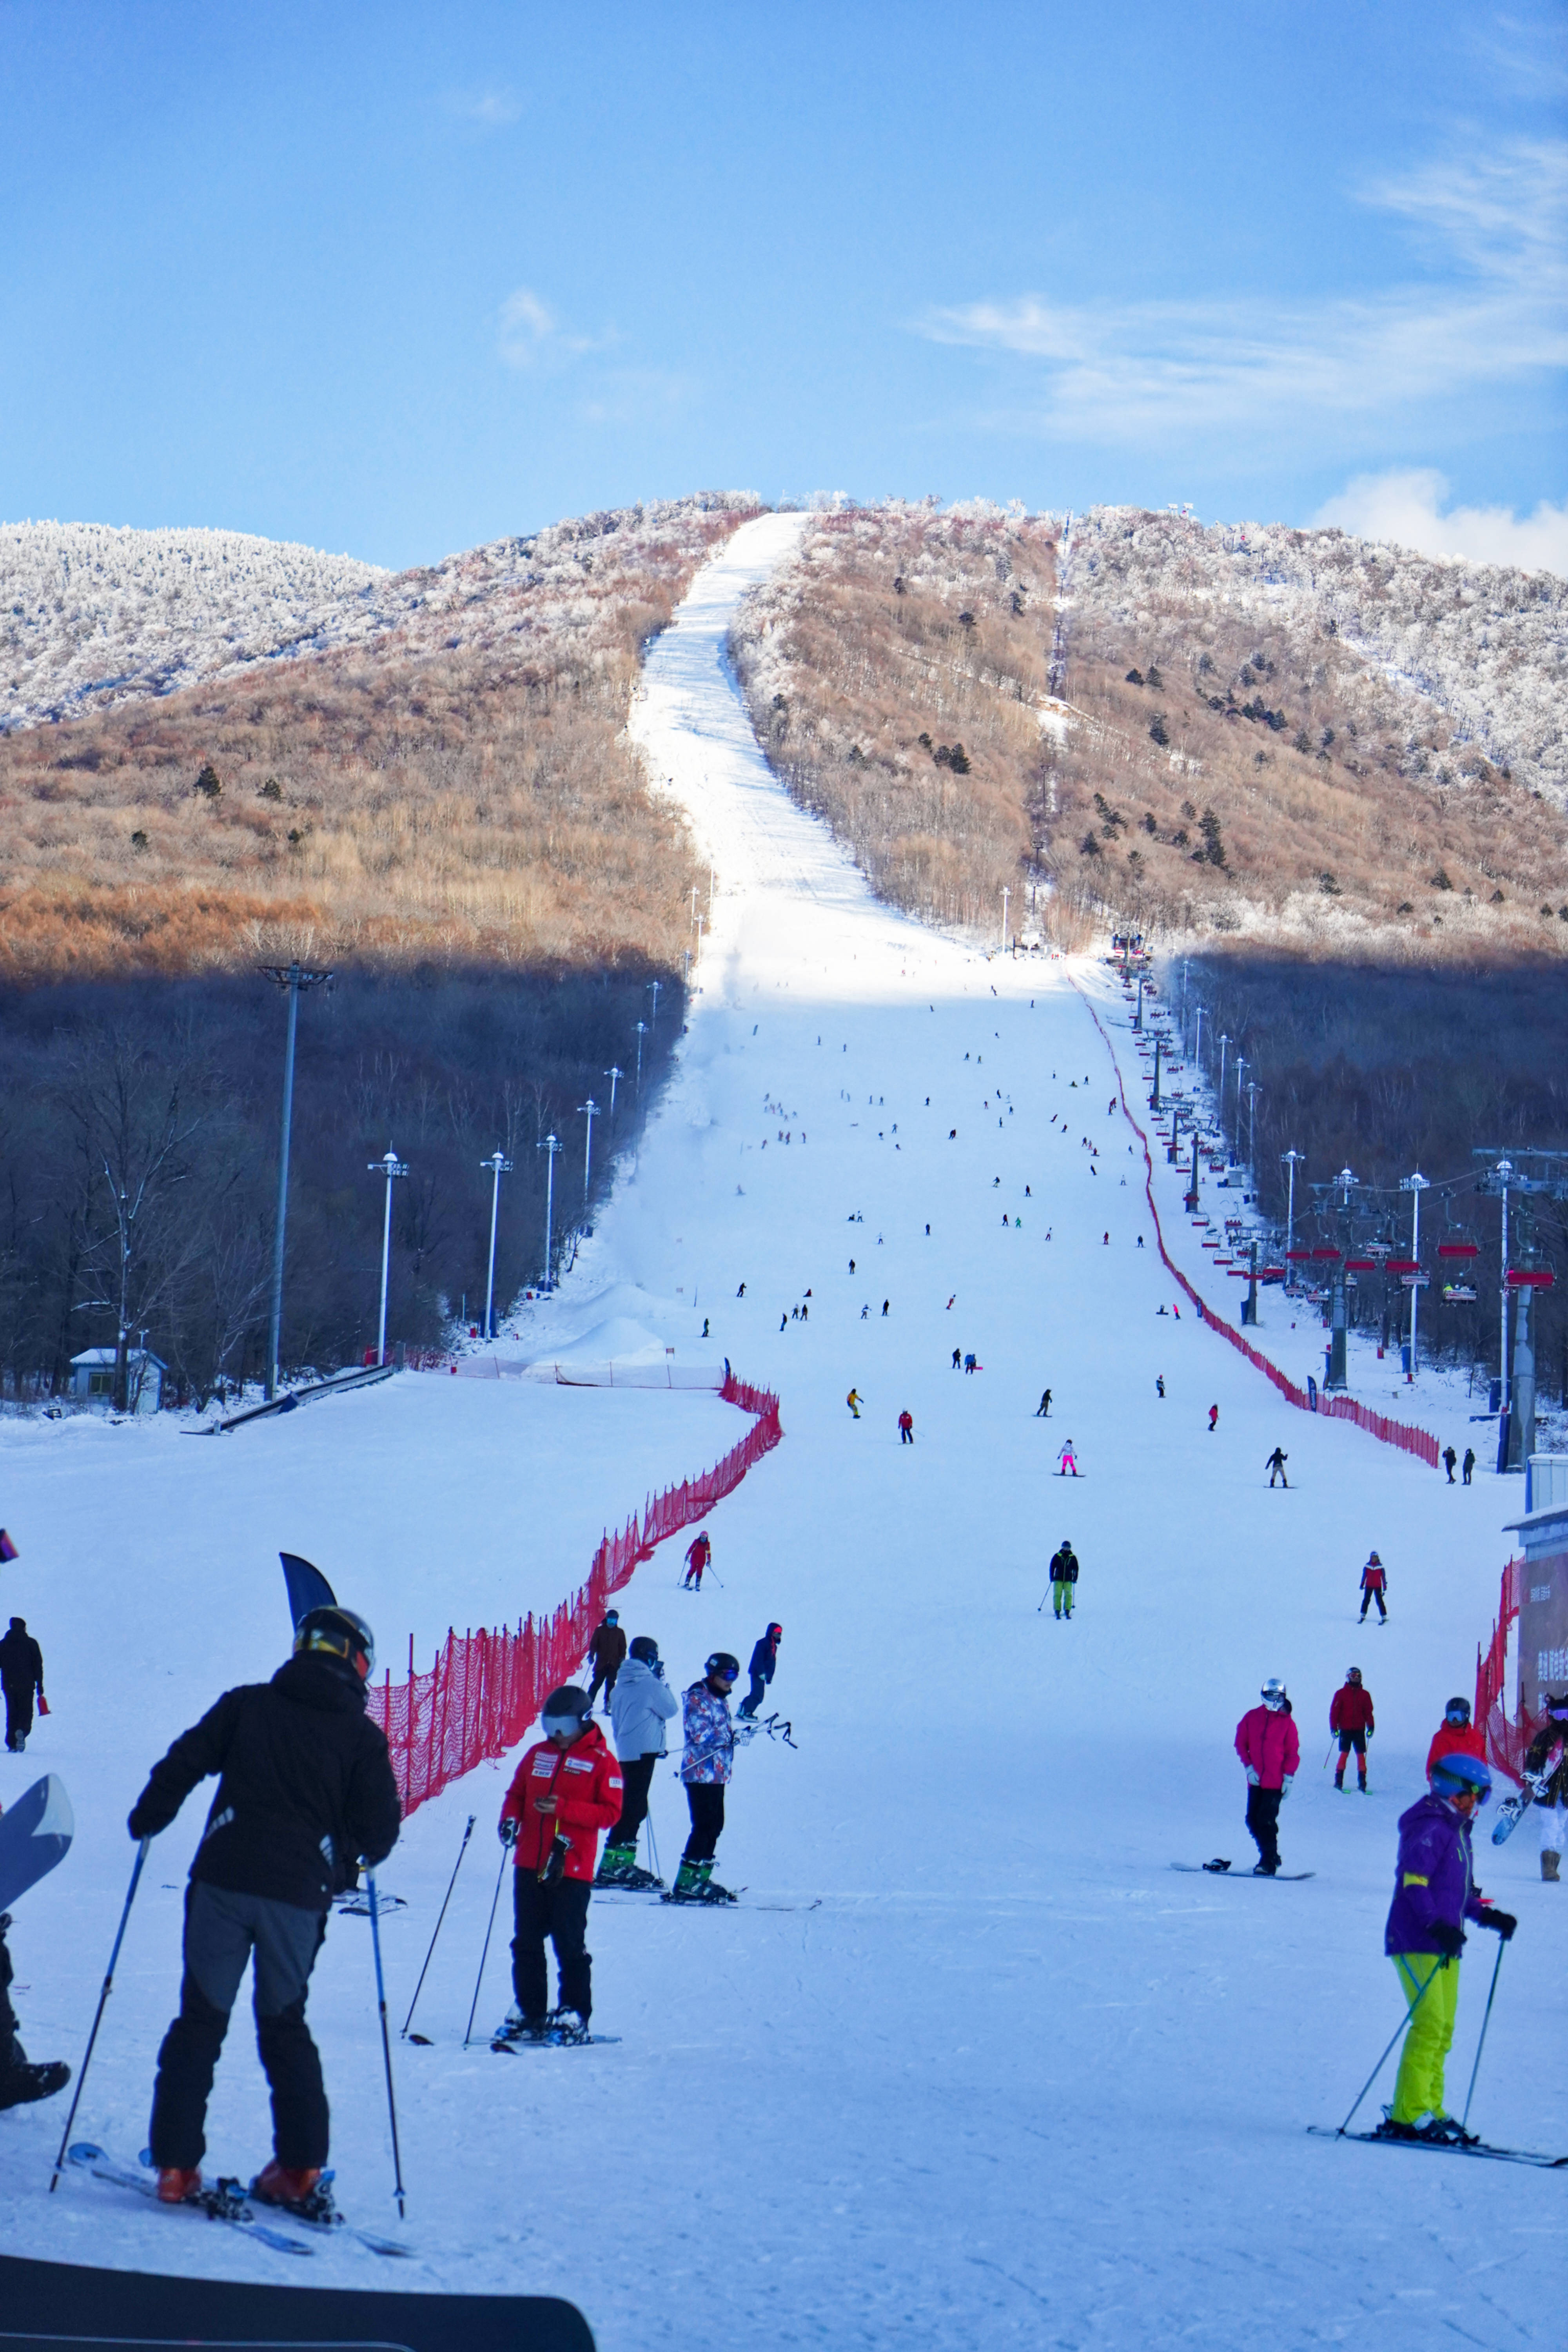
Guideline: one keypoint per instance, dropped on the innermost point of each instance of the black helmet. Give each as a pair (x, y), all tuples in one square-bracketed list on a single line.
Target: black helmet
[(564, 1710), (775, 1633), (723, 1664), (1457, 1711), (612, 1616), (337, 1632), (1352, 1675), (1557, 1708), (645, 1647)]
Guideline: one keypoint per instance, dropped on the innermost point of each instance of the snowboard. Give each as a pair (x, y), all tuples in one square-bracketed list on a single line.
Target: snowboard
[(1513, 1810), (35, 1833), (1224, 1870), (1446, 2147)]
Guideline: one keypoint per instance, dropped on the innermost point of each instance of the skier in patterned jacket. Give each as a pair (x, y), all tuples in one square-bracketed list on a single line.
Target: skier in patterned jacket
[(705, 1769)]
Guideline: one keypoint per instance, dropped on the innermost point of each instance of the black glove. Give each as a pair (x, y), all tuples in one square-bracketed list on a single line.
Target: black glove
[(1503, 1921), (507, 1829), (1450, 1941), (145, 1820)]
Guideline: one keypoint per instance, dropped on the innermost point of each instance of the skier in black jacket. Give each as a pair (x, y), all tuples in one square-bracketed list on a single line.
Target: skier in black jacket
[(306, 1793), (21, 1674), (762, 1668)]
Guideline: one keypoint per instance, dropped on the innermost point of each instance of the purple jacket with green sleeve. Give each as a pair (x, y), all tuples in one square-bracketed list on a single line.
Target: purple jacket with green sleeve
[(1432, 1881)]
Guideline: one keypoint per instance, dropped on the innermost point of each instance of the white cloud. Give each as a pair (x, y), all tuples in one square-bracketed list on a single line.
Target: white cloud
[(1403, 508), (491, 109), (1147, 370), (529, 334)]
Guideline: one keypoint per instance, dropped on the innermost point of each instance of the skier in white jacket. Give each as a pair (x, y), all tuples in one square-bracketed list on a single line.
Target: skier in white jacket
[(641, 1703)]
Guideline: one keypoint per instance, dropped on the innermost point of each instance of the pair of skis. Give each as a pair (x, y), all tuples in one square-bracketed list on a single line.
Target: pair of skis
[(226, 2200)]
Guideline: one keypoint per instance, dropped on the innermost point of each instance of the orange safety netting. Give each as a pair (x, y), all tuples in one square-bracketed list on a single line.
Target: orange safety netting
[(484, 1689), (1419, 1442)]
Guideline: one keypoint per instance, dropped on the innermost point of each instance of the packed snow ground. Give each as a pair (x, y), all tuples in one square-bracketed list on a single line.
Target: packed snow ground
[(1015, 2081)]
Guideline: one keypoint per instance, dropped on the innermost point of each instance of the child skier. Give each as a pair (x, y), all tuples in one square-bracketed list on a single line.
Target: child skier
[(1066, 1460), (567, 1790), (1373, 1585), (1064, 1579), (1350, 1720), (1268, 1745), (699, 1553), (705, 1769), (1433, 1892)]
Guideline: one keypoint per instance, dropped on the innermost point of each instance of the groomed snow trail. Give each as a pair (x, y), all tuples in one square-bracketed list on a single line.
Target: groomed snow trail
[(1016, 2081)]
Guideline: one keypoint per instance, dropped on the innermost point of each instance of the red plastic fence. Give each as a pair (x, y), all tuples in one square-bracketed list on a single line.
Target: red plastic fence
[(1380, 1426), (486, 1689), (1506, 1738)]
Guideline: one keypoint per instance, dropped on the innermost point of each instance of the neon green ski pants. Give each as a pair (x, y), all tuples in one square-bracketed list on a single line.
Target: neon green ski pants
[(1062, 1591), (1419, 2089)]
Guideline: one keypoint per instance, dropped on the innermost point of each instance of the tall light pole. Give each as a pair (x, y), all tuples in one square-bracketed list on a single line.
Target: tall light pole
[(1198, 1046), (654, 986), (642, 1032), (551, 1145), (1240, 1066), (294, 977), (1224, 1041), (1292, 1159), (612, 1074), (1253, 1091), (1504, 1178), (1416, 1185), (392, 1168), (590, 1109), (1006, 894), (499, 1165)]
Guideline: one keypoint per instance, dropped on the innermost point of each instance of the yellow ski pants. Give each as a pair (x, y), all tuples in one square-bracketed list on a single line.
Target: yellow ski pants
[(1419, 2089)]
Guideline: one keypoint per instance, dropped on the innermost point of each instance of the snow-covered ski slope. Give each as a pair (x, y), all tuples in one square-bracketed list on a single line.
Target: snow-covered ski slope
[(1016, 2081)]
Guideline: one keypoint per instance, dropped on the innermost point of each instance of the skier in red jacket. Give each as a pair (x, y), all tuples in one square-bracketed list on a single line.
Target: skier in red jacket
[(699, 1553), (906, 1428), (1373, 1585), (1268, 1745), (1350, 1717), (1455, 1736), (565, 1790)]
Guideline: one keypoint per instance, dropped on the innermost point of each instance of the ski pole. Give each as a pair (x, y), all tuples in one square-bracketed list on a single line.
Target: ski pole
[(653, 1847), (484, 1955), (385, 2043), (419, 1988), (1326, 1758), (103, 2000), (1403, 2027), (1497, 1971)]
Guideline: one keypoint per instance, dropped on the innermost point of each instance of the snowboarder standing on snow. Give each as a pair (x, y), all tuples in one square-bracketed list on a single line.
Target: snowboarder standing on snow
[(305, 1798), (853, 1402), (1546, 1769), (1434, 1892), (699, 1553), (1268, 1745), (1067, 1461), (762, 1668), (607, 1653), (21, 1674), (1064, 1579), (1214, 1419), (567, 1790), (1351, 1721), (1373, 1585), (705, 1769), (906, 1428), (1043, 1410), (1275, 1465), (640, 1706)]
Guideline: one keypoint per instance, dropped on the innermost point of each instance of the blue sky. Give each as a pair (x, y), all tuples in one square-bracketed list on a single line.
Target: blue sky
[(396, 279)]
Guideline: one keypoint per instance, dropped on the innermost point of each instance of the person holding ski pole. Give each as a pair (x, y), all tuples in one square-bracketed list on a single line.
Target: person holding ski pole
[(763, 1665), (705, 1769), (606, 1654), (306, 1798), (699, 1553), (567, 1790), (1546, 1777), (1275, 1465), (1434, 1894), (1351, 1721), (1268, 1746), (1373, 1585), (641, 1705), (1064, 1579), (1456, 1734)]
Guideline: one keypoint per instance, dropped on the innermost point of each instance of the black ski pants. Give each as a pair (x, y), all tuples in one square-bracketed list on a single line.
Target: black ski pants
[(1349, 1739), (1263, 1821), (1373, 1592), (706, 1800), (19, 1714), (753, 1698), (636, 1778), (12, 2057), (224, 1932), (559, 1910), (604, 1676)]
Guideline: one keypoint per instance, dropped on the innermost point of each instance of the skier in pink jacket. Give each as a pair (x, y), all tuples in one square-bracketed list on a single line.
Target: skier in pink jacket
[(1266, 1743)]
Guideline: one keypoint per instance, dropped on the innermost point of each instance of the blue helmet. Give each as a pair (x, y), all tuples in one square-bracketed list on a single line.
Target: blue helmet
[(1458, 1775)]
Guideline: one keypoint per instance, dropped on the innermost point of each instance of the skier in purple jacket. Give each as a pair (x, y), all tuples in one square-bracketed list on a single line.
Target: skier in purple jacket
[(1433, 1892)]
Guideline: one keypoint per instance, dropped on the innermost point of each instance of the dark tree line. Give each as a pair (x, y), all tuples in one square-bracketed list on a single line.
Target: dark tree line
[(1385, 1070), (139, 1134)]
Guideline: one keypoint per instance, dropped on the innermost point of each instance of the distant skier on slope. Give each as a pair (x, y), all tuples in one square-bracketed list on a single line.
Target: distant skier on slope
[(1159, 1384), (1351, 1722), (1064, 1579), (699, 1553), (21, 1674), (762, 1668), (1546, 1770), (1373, 1585), (1466, 1467), (1275, 1465), (705, 1769), (1449, 1458), (1270, 1749), (1214, 1419), (853, 1402), (607, 1652), (1067, 1462), (567, 1788), (305, 1797), (642, 1705), (1043, 1410), (1434, 1894), (906, 1428)]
